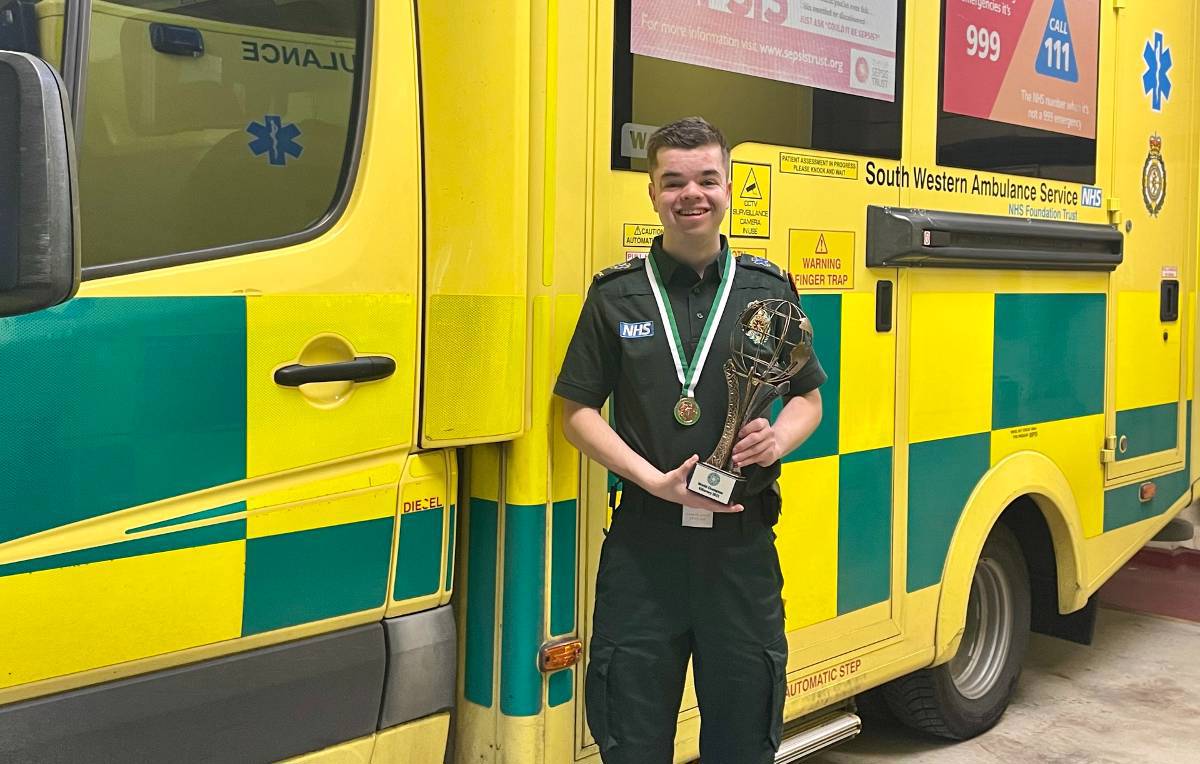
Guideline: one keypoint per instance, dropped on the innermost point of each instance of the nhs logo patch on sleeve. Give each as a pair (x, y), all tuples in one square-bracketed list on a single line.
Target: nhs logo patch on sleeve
[(637, 330)]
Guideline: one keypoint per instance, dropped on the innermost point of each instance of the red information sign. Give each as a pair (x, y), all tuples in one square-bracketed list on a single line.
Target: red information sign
[(1023, 62)]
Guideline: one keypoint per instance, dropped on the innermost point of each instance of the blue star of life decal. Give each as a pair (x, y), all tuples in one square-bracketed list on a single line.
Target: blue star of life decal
[(1156, 81), (275, 139)]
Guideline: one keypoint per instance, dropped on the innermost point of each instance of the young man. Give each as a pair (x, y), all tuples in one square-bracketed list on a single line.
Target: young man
[(681, 575)]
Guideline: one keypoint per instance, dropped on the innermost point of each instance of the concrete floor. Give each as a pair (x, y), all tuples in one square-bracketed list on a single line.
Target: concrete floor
[(1133, 696)]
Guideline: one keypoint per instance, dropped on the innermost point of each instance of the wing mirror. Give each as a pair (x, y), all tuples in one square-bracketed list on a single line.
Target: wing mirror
[(39, 210)]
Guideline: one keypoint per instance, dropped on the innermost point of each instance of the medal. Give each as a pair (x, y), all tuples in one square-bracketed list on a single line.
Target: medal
[(687, 410)]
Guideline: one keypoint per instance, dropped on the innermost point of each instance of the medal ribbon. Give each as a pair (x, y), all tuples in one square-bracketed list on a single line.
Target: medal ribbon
[(689, 374)]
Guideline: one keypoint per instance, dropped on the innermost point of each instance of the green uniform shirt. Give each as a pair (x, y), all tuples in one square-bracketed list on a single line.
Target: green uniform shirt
[(620, 348)]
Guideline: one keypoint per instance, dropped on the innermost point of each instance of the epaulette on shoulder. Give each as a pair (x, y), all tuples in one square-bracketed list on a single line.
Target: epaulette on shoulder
[(762, 264), (629, 266)]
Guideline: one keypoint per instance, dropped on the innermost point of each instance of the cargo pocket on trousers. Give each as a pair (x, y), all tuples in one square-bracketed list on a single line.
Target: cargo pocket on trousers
[(596, 693), (776, 655)]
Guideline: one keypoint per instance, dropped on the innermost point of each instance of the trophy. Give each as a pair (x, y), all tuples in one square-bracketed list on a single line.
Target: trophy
[(770, 343)]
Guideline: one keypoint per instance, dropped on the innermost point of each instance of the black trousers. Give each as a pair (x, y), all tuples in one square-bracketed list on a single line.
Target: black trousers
[(665, 592)]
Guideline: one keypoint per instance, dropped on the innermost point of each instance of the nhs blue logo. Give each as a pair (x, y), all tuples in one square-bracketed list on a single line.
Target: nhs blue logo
[(1090, 196), (637, 330)]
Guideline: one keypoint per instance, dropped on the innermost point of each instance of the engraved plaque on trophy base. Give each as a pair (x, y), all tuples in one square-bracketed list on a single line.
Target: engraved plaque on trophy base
[(713, 483)]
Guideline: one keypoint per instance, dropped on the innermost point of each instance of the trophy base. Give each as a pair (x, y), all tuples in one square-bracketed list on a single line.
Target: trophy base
[(713, 483)]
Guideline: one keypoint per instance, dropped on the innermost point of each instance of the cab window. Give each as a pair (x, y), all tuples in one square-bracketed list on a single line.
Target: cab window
[(35, 28), (818, 75), (211, 127), (1017, 90)]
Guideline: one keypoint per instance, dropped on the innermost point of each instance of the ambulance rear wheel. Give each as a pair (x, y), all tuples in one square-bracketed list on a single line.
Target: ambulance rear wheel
[(966, 696)]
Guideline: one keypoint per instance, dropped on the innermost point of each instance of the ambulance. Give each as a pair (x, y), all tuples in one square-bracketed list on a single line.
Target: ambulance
[(285, 286)]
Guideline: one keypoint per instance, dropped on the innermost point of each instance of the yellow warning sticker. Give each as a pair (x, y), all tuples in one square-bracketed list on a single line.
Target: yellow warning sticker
[(750, 214), (820, 259), (640, 234), (812, 164)]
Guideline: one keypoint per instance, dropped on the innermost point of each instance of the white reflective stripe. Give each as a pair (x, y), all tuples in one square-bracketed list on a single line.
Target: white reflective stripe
[(689, 378), (707, 340), (668, 320)]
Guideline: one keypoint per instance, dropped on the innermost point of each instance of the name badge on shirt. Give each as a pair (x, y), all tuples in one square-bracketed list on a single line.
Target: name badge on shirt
[(694, 517), (636, 330)]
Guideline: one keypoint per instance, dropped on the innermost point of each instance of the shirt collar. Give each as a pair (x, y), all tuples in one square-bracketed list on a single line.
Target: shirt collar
[(668, 266)]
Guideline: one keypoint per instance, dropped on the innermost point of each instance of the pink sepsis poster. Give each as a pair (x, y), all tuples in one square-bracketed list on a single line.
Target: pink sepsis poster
[(848, 46), (1023, 62)]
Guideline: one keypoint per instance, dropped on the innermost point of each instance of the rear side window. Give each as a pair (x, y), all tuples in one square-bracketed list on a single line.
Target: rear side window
[(1018, 87), (213, 124), (821, 74)]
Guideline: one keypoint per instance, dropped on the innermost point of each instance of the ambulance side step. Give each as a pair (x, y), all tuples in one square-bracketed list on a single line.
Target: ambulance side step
[(818, 735)]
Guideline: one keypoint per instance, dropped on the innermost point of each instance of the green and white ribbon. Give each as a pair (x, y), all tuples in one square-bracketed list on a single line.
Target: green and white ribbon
[(689, 374)]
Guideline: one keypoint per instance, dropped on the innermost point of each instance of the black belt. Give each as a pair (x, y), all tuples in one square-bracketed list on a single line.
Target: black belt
[(762, 507)]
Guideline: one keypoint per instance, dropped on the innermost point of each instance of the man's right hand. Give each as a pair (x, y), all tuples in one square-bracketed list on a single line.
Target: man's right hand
[(591, 433), (672, 487)]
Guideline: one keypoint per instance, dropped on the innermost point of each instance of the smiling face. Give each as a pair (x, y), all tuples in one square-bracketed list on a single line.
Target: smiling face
[(690, 190)]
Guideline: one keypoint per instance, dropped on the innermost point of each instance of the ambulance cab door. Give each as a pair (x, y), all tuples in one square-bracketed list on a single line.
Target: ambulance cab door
[(211, 434), (1152, 185)]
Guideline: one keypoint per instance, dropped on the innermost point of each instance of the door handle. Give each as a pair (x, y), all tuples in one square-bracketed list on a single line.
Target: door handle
[(175, 40), (1168, 300), (365, 368)]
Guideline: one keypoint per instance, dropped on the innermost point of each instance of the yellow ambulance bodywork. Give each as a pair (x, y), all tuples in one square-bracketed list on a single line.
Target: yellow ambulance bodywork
[(876, 586), (482, 200), (315, 509)]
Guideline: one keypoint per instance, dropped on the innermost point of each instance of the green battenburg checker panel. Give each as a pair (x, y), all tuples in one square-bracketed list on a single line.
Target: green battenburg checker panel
[(941, 476), (524, 588), (825, 313), (1148, 430), (864, 529), (479, 658), (562, 684), (419, 554), (1048, 358), (1122, 506), (310, 575), (562, 568), (166, 542), (116, 402), (228, 509)]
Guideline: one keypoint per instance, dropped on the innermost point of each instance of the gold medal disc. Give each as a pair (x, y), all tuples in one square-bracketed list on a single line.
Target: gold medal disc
[(687, 411)]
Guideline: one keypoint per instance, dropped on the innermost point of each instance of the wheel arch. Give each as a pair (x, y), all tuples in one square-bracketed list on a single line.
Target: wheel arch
[(1020, 489)]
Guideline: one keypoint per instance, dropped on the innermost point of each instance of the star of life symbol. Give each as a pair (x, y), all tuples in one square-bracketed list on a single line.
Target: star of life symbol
[(275, 139), (1156, 82)]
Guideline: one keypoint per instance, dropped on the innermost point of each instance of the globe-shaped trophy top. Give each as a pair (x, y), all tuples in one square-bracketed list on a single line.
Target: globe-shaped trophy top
[(772, 341)]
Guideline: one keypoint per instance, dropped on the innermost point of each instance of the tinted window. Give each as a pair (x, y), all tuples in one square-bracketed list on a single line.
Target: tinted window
[(215, 123), (1003, 77), (33, 28), (650, 90)]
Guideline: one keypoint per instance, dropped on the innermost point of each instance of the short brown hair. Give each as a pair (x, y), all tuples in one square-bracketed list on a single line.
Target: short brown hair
[(688, 133)]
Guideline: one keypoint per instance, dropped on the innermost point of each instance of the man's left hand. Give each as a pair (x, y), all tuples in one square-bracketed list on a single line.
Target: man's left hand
[(756, 444)]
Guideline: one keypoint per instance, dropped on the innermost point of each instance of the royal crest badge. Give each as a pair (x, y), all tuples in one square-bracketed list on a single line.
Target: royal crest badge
[(1154, 177), (758, 329)]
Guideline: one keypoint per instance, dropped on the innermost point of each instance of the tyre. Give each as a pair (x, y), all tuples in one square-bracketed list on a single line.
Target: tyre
[(872, 707), (966, 696)]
